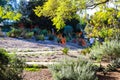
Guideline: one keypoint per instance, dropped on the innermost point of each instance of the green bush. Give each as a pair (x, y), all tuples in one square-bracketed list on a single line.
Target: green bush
[(80, 69), (14, 33), (65, 50), (44, 32), (112, 66), (10, 66), (109, 50), (40, 37), (116, 62), (86, 51), (116, 35), (4, 58), (28, 35)]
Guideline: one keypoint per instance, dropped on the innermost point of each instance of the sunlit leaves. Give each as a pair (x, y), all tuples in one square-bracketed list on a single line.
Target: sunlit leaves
[(58, 11), (58, 22), (37, 11), (66, 9), (118, 15), (106, 32), (105, 18), (104, 22), (11, 15), (1, 11), (17, 16)]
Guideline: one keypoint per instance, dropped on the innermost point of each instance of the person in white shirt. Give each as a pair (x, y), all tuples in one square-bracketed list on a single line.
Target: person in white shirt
[(91, 40)]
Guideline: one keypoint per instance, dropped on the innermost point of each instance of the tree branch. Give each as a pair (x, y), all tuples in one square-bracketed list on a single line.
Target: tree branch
[(96, 4)]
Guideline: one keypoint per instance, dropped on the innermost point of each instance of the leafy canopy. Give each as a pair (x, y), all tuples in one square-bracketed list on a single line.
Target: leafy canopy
[(104, 22), (6, 12), (57, 10), (61, 10)]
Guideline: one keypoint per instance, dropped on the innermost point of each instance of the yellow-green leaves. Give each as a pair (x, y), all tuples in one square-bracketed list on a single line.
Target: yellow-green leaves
[(58, 11), (105, 18), (11, 15), (118, 14), (48, 9), (104, 22), (1, 11), (37, 11), (17, 16), (58, 22)]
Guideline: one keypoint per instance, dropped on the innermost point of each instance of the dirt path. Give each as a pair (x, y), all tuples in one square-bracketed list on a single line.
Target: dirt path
[(38, 51)]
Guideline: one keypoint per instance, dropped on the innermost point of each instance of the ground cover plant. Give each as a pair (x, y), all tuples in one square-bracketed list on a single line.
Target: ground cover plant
[(10, 66), (81, 69)]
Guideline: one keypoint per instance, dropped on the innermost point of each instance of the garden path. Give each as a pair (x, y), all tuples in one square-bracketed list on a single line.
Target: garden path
[(37, 52)]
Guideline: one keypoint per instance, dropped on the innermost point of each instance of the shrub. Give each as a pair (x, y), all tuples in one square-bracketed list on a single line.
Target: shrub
[(14, 33), (4, 58), (40, 37), (85, 51), (65, 50), (109, 50), (116, 62), (116, 35), (10, 66), (44, 32), (68, 29), (80, 69), (28, 35)]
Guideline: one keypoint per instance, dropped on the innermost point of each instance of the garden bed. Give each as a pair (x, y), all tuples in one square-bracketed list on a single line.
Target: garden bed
[(44, 74)]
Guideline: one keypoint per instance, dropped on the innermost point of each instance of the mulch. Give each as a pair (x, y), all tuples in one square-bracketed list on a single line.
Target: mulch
[(44, 74)]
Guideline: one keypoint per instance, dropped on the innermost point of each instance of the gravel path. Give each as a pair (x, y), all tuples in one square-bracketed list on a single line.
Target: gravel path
[(38, 51)]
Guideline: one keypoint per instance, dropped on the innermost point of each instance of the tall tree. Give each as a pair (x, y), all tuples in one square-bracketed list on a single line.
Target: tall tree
[(61, 10)]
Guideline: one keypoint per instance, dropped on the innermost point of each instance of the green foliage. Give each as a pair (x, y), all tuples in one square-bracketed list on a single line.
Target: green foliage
[(105, 18), (4, 58), (109, 50), (57, 10), (65, 50), (106, 32), (86, 51), (10, 66), (51, 37), (3, 2), (80, 69), (104, 22), (28, 35), (116, 62), (116, 35), (8, 14), (40, 37), (14, 33), (44, 32), (32, 69), (112, 66), (68, 30), (61, 10)]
